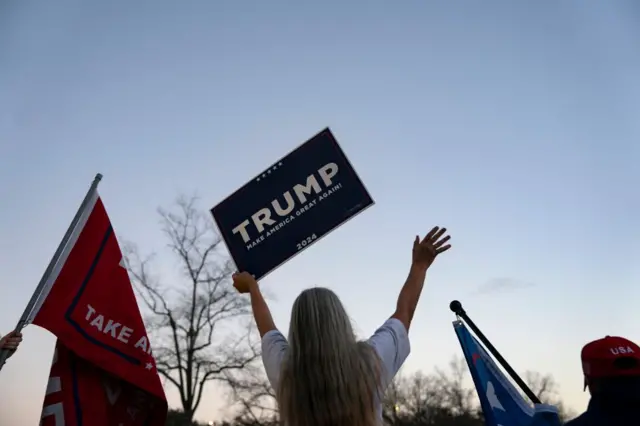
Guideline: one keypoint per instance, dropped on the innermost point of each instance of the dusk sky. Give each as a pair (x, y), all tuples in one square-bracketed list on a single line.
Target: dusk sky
[(514, 124)]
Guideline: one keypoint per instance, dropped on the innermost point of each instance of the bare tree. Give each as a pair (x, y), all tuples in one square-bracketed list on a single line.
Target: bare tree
[(395, 400), (543, 386), (458, 396), (177, 418), (547, 390), (195, 340), (439, 399), (411, 400), (254, 398)]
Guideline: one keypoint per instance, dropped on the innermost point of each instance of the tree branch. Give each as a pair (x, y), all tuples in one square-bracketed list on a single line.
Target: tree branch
[(194, 320)]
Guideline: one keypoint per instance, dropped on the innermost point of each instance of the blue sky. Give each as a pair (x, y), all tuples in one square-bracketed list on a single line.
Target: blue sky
[(514, 124)]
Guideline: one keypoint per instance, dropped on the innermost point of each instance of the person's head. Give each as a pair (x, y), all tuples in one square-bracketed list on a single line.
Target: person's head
[(327, 377), (611, 368)]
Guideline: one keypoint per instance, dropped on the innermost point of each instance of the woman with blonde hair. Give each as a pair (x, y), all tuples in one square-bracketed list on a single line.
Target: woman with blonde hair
[(322, 375)]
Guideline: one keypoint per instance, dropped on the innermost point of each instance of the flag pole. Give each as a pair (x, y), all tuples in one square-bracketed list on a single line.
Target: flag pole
[(5, 353), (456, 308)]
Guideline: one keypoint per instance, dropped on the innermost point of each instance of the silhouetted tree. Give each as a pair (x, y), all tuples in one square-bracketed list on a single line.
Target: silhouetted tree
[(547, 390), (194, 340), (439, 399), (254, 399), (448, 397), (457, 392), (178, 418)]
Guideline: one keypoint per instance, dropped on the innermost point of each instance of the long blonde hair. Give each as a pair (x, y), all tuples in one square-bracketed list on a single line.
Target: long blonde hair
[(328, 378)]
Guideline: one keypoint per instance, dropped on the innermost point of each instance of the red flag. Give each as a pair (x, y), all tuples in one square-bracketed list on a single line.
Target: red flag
[(81, 394), (104, 373)]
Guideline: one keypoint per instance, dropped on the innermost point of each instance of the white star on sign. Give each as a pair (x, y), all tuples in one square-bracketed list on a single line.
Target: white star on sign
[(279, 164), (258, 180), (149, 366), (264, 176)]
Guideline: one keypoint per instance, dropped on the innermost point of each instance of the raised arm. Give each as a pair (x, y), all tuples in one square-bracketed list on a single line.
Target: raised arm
[(245, 283), (424, 253)]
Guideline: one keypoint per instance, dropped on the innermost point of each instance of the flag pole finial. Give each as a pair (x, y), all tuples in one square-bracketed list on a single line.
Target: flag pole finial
[(456, 308)]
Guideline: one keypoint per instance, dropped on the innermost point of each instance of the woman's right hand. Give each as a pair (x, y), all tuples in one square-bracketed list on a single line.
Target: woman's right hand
[(244, 282)]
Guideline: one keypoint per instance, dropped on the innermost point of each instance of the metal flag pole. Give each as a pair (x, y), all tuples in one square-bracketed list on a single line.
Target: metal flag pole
[(5, 353), (456, 308)]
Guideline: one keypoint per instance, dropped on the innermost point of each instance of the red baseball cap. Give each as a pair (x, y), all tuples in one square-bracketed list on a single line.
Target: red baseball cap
[(610, 357)]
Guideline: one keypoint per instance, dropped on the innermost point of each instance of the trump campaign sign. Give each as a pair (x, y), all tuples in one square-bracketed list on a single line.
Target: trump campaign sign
[(291, 205)]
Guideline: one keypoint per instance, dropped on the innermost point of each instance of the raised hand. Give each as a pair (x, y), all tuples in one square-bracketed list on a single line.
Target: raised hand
[(425, 251), (243, 282)]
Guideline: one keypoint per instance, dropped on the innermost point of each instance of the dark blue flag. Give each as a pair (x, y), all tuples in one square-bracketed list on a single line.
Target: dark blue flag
[(290, 205), (501, 402)]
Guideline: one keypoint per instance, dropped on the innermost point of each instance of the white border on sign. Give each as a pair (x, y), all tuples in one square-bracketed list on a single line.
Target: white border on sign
[(335, 140)]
